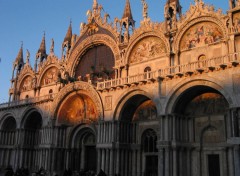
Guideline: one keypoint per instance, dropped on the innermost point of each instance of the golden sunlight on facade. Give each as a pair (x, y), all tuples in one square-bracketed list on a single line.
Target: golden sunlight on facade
[(162, 99)]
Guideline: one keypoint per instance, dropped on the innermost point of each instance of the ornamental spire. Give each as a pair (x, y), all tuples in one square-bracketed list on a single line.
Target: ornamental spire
[(19, 59), (68, 37), (127, 11), (42, 49)]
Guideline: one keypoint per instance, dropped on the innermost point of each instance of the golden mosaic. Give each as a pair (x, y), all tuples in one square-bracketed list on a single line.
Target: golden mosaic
[(148, 48), (200, 35)]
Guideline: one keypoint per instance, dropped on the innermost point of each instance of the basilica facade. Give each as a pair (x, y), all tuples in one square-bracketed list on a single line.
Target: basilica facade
[(162, 99)]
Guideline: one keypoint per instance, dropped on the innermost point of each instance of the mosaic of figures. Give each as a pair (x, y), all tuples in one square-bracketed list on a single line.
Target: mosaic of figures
[(27, 84), (146, 49), (147, 110), (208, 103), (50, 76), (200, 35), (77, 109)]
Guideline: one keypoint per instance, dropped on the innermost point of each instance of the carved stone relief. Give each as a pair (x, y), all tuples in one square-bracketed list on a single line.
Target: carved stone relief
[(148, 48), (27, 84), (50, 76), (201, 34), (108, 103)]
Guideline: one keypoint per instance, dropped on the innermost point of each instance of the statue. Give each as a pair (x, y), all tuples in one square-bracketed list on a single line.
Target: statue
[(28, 56), (82, 25), (238, 2), (145, 9), (106, 16), (52, 46), (89, 14)]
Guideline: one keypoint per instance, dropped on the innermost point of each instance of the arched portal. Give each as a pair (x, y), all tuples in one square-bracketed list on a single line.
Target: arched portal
[(138, 113), (84, 154), (200, 115), (138, 107), (31, 136), (7, 141)]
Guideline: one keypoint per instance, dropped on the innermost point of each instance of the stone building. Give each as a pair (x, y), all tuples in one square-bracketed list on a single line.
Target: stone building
[(161, 99)]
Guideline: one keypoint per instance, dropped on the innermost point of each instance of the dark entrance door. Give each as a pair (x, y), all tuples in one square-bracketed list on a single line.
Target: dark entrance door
[(213, 165), (91, 158), (151, 166)]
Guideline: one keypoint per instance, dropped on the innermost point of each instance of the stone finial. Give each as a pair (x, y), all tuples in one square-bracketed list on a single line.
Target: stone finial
[(145, 9)]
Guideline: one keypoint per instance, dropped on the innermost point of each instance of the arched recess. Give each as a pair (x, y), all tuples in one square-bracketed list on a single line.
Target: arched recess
[(85, 45), (72, 89), (135, 112), (26, 83), (183, 32), (145, 47), (135, 99), (138, 107), (83, 148), (96, 63), (31, 138), (48, 76), (183, 86), (7, 140), (200, 116), (77, 108), (149, 152)]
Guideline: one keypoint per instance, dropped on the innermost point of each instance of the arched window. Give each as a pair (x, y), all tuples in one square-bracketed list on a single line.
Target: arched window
[(150, 152), (147, 73), (202, 61), (50, 93), (149, 141)]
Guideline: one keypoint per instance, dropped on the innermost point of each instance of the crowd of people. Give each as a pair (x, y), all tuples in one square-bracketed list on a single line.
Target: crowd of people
[(42, 172)]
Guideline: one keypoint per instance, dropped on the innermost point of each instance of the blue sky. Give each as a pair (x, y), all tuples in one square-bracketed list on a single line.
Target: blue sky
[(26, 20)]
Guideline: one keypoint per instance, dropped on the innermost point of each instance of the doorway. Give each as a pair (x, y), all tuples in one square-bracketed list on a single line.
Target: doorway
[(90, 158), (213, 165), (151, 166)]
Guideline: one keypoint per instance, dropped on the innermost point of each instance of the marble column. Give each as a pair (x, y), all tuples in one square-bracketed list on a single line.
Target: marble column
[(175, 159), (160, 161), (236, 154), (111, 164)]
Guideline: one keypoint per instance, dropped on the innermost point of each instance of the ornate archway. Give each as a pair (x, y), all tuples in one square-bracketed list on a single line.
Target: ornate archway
[(31, 139), (7, 141), (83, 155), (200, 115)]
